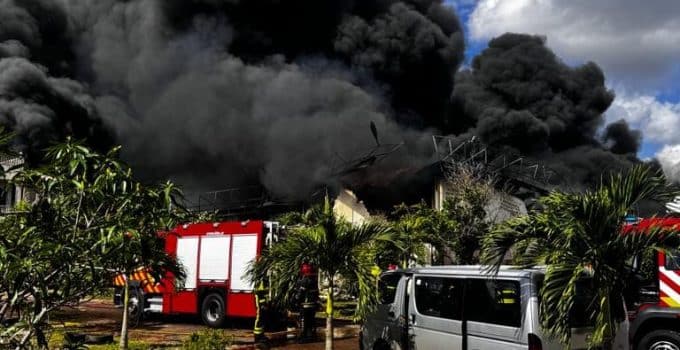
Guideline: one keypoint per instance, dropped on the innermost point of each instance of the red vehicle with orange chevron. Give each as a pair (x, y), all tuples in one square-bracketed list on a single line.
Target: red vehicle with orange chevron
[(655, 313), (215, 257)]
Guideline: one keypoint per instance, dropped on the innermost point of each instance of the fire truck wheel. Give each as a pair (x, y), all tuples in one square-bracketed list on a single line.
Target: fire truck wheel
[(213, 310), (660, 339), (135, 303)]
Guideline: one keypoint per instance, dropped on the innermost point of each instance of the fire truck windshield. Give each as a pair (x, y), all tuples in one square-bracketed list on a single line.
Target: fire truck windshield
[(673, 260)]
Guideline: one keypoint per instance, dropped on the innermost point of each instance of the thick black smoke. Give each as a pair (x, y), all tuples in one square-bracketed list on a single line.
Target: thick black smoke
[(621, 139), (37, 99), (281, 93), (519, 97), (411, 48), (227, 93)]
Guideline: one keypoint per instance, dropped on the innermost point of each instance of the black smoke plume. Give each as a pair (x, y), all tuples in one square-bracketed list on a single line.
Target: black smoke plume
[(227, 93), (621, 139), (38, 100), (281, 93), (519, 97)]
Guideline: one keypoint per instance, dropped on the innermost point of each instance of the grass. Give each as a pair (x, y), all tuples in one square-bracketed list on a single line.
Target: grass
[(209, 339), (132, 345)]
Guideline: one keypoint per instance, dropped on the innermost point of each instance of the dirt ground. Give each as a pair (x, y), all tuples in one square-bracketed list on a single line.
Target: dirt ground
[(101, 317)]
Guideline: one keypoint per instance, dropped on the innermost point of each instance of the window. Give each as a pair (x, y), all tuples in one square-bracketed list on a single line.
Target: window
[(7, 192), (581, 314), (388, 288), (673, 260), (494, 301), (439, 297)]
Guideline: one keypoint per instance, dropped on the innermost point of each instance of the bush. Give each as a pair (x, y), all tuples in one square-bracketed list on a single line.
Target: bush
[(211, 339)]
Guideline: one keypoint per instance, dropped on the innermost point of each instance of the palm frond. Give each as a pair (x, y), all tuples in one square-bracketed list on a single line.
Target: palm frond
[(330, 244), (579, 236)]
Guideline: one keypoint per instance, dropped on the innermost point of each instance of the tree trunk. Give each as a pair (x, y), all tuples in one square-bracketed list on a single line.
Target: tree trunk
[(38, 324), (27, 337), (608, 335), (124, 327), (3, 310), (329, 316)]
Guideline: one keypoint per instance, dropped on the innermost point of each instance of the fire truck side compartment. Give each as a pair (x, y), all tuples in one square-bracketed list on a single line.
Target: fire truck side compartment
[(215, 258)]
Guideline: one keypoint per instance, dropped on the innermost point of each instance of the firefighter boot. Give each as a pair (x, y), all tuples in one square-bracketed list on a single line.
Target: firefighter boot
[(261, 305), (308, 323)]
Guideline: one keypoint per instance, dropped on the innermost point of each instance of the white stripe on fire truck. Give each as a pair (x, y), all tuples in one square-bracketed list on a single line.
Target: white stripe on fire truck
[(671, 275), (666, 289)]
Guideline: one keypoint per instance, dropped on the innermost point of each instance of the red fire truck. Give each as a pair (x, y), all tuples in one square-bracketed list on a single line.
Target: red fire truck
[(655, 314), (215, 257)]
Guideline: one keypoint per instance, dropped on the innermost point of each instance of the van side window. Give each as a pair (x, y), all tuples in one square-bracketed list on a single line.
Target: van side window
[(494, 301), (439, 297), (388, 288)]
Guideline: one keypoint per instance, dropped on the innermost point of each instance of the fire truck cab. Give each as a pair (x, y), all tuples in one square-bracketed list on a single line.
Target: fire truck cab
[(654, 307), (215, 257)]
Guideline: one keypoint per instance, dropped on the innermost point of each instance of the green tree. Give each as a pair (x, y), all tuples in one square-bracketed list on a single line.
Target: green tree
[(439, 229), (455, 231), (579, 235), (465, 213), (415, 230), (336, 248), (91, 220)]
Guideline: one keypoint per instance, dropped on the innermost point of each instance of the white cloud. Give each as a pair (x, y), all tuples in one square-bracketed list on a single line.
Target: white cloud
[(635, 41), (669, 157), (658, 121)]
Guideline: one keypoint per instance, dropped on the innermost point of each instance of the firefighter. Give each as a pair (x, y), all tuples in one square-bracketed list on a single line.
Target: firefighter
[(261, 294), (307, 298)]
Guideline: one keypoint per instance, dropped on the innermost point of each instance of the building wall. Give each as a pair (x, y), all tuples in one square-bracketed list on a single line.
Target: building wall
[(10, 194), (350, 208), (501, 206)]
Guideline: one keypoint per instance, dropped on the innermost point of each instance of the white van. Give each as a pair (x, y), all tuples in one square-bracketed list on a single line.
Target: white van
[(461, 307)]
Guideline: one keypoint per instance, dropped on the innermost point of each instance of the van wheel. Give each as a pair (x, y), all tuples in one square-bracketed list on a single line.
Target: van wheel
[(661, 339), (213, 310)]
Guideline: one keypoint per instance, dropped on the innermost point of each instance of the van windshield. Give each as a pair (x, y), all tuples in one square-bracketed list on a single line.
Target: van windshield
[(387, 287), (673, 260)]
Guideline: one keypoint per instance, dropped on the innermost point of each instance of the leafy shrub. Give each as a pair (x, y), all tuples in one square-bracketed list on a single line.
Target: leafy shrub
[(211, 339)]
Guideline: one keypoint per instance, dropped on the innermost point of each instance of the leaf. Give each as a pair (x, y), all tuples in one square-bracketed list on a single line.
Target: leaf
[(80, 186), (579, 234)]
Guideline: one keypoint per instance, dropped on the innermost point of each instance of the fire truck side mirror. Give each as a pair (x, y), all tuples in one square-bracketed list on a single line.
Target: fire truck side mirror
[(636, 264)]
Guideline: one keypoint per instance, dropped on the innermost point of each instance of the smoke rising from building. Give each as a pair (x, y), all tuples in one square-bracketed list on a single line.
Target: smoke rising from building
[(220, 93), (229, 93), (520, 97)]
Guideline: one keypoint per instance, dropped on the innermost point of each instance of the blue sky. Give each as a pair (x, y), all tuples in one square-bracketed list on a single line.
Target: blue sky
[(636, 43), (464, 9)]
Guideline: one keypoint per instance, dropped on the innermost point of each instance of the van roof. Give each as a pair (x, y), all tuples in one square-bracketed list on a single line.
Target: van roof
[(476, 270)]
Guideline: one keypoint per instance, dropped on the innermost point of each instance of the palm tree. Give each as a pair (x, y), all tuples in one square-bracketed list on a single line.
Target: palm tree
[(410, 236), (336, 248), (580, 234)]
